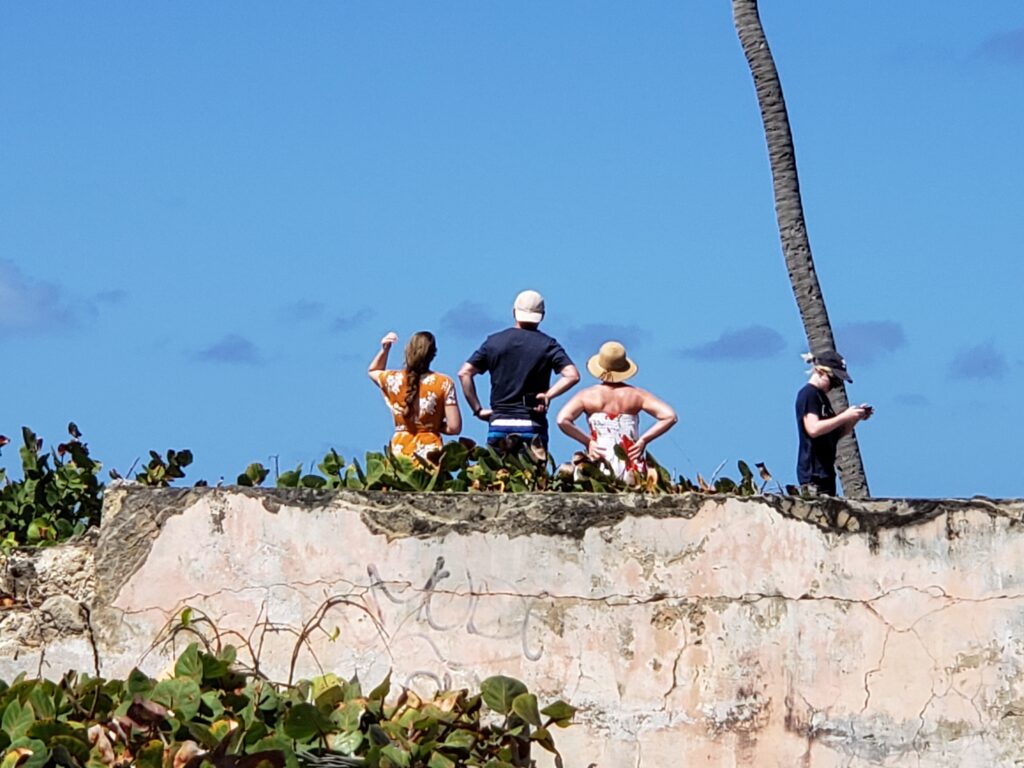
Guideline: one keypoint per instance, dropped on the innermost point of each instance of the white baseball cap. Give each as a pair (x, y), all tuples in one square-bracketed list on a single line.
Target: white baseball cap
[(529, 307)]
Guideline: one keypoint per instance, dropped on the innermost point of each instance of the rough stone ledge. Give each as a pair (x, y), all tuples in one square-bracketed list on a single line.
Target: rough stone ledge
[(134, 515), (552, 514)]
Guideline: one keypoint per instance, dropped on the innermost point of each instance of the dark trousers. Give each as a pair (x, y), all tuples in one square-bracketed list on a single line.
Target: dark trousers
[(825, 486)]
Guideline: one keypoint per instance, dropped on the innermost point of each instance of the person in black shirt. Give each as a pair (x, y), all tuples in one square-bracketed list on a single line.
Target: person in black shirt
[(520, 361), (818, 426)]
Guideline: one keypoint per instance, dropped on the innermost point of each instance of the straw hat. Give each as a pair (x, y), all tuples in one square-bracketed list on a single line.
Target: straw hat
[(610, 364)]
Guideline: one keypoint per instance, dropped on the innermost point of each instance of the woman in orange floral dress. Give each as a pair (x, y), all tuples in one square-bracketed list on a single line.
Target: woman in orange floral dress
[(421, 401)]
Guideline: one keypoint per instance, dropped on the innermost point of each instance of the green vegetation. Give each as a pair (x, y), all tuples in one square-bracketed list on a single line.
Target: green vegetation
[(60, 493), (462, 466), (210, 713), (49, 503)]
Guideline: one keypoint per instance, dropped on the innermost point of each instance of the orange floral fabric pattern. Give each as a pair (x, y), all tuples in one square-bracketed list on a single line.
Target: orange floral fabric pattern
[(421, 432)]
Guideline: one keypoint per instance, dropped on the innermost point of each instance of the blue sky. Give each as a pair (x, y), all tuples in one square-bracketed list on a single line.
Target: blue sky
[(210, 213)]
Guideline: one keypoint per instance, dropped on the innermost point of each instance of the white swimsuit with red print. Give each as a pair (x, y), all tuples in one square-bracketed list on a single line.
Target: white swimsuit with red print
[(623, 429)]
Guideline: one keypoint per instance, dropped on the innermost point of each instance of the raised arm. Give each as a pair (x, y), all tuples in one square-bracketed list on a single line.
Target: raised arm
[(466, 374), (665, 418), (380, 361)]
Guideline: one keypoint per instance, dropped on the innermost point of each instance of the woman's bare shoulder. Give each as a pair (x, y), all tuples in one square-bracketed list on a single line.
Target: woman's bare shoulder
[(590, 397), (633, 393)]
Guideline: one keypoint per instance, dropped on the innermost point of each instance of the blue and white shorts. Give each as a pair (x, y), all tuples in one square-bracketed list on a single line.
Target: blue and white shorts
[(503, 426)]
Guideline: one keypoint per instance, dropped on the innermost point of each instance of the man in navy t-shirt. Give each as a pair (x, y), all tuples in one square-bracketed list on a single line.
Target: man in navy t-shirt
[(520, 361), (818, 426)]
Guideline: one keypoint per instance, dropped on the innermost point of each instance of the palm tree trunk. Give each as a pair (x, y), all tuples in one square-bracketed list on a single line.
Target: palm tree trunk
[(789, 210)]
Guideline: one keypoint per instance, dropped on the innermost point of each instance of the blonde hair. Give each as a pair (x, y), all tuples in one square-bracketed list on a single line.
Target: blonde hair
[(419, 354)]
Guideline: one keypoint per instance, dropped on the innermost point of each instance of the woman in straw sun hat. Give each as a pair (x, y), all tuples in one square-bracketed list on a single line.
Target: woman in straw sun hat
[(613, 413)]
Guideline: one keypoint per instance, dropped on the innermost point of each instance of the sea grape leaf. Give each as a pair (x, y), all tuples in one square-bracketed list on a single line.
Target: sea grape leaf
[(397, 756), (189, 665), (525, 706), (42, 703), (560, 713), (180, 694), (500, 691), (437, 760), (16, 720), (381, 691), (305, 722)]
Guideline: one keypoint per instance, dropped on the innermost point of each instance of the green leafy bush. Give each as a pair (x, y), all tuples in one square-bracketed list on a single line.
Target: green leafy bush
[(462, 465), (210, 713), (162, 472), (49, 503), (60, 493)]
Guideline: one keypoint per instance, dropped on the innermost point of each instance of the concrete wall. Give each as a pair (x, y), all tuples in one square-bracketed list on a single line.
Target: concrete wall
[(690, 631)]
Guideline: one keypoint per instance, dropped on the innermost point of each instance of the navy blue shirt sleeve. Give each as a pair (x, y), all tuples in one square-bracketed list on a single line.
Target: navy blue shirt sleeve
[(559, 359), (480, 358), (806, 402)]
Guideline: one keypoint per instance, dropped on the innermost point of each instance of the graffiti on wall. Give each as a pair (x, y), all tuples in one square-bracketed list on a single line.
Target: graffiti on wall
[(482, 608)]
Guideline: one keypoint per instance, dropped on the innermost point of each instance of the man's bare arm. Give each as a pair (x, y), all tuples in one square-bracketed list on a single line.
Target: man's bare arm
[(567, 378), (466, 374)]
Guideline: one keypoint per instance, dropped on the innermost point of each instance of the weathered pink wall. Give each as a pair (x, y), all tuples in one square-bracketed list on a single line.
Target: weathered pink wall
[(735, 632)]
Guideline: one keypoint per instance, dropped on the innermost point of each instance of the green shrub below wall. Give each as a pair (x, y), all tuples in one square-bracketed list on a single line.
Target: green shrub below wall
[(210, 713)]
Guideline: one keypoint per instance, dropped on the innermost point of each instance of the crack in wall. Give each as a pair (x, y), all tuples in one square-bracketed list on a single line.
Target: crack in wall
[(91, 635), (675, 675), (614, 600)]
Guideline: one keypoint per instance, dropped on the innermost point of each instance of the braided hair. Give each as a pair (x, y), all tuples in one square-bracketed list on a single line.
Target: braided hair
[(419, 354)]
